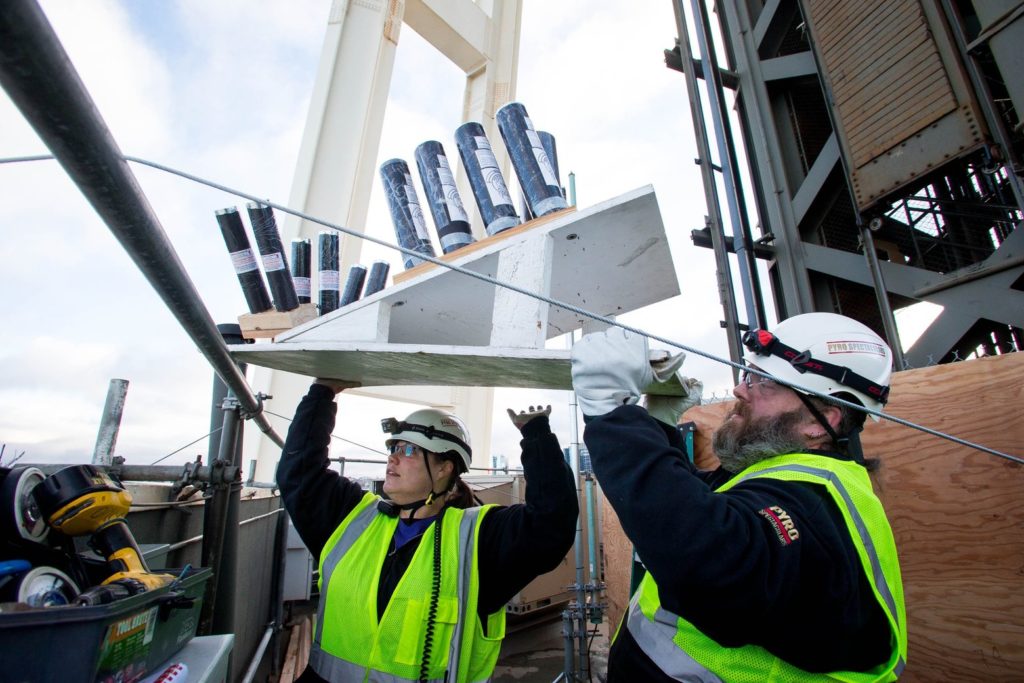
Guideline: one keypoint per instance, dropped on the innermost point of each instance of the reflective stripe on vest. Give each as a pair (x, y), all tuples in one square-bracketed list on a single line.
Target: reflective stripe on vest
[(655, 637), (862, 530), (658, 629), (334, 668)]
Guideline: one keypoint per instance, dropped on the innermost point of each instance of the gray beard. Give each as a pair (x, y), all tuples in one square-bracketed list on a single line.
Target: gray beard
[(740, 444)]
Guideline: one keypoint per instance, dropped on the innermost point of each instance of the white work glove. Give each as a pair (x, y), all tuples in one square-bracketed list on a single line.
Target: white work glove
[(522, 417), (612, 368), (668, 409)]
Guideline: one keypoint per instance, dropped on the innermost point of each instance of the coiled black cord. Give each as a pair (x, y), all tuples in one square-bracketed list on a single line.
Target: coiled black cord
[(435, 592)]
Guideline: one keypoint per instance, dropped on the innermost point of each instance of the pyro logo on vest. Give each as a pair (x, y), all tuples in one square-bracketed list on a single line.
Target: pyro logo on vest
[(781, 523)]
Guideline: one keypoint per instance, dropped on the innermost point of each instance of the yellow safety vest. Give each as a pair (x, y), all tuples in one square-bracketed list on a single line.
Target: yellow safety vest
[(349, 642), (680, 650)]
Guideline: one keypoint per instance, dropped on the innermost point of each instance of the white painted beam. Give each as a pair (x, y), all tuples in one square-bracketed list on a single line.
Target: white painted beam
[(459, 29), (517, 319), (402, 365), (338, 154)]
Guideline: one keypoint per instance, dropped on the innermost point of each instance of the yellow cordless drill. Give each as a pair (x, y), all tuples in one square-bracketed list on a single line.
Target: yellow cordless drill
[(82, 499)]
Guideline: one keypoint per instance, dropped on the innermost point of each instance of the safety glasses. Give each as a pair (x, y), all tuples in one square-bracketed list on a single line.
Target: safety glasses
[(750, 380), (406, 449)]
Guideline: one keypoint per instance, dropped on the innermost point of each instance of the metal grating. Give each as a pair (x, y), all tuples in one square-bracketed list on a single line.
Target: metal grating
[(808, 117)]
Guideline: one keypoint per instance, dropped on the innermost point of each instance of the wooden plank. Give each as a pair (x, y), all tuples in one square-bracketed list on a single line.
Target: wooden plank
[(883, 92), (887, 58), (470, 249), (272, 323), (846, 43), (833, 21), (289, 670), (374, 364), (891, 127), (957, 514), (305, 641)]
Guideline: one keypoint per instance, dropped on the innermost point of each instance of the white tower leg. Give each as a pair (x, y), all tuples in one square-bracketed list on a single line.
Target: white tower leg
[(336, 166)]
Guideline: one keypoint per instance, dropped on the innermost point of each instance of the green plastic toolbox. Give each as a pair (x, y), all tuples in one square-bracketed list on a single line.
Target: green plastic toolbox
[(120, 642)]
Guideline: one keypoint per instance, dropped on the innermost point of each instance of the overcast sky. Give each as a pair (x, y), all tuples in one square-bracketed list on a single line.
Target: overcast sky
[(221, 90)]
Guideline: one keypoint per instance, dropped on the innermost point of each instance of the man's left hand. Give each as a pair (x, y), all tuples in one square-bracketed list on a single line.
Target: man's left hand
[(668, 409)]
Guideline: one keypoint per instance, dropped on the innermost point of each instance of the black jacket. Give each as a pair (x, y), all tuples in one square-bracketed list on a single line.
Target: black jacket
[(720, 563), (517, 542)]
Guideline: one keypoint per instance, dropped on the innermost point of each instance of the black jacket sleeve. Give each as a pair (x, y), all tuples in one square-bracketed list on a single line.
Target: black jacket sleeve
[(728, 562), (520, 542), (316, 497)]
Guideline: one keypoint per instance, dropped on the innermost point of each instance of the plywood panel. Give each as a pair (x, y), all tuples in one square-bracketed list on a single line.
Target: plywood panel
[(618, 554), (957, 513)]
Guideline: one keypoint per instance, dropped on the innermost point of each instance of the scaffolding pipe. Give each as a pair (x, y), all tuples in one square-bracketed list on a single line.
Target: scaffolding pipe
[(40, 79), (580, 587), (882, 296), (140, 473), (257, 658), (220, 531), (591, 545), (726, 295), (110, 423), (713, 79), (567, 636)]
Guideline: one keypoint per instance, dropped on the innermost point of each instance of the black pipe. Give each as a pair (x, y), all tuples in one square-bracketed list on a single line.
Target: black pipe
[(327, 274), (301, 250), (377, 277), (547, 141), (275, 263), (443, 198), (353, 284), (485, 178), (40, 79), (243, 260)]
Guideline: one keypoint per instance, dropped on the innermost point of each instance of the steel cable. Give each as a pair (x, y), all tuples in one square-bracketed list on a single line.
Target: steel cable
[(553, 302)]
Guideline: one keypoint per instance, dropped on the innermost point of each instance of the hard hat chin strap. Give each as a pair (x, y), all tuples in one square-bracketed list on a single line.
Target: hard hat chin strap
[(848, 444), (393, 509), (840, 441), (431, 497)]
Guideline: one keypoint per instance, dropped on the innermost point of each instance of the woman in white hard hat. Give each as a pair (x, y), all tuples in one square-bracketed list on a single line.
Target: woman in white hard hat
[(413, 588)]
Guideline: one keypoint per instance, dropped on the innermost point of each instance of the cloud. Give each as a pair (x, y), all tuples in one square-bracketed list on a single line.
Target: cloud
[(221, 90)]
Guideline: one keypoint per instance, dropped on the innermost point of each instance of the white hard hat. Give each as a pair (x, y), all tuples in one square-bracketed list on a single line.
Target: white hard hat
[(432, 430), (825, 352)]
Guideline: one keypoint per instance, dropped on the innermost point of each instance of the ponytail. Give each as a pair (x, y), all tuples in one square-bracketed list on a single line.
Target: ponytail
[(461, 496)]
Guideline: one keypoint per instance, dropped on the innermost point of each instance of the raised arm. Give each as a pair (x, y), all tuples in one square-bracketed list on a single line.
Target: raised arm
[(520, 542), (316, 497)]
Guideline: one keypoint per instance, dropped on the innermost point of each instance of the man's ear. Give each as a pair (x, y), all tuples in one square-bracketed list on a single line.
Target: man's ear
[(834, 414), (813, 429)]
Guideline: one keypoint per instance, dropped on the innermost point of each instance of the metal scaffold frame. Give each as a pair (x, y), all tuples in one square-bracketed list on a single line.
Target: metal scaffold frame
[(839, 233)]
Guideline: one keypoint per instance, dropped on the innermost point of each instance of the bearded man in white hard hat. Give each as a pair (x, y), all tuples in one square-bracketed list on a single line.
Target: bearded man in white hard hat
[(781, 564)]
